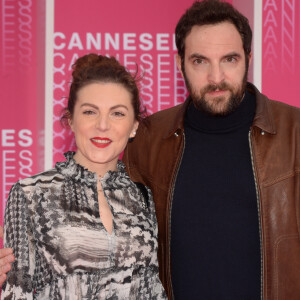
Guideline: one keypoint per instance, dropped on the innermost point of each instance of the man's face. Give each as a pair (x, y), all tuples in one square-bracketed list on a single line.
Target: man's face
[(215, 68)]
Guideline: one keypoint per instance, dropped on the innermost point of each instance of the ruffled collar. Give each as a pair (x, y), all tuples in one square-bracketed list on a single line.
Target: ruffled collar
[(111, 179)]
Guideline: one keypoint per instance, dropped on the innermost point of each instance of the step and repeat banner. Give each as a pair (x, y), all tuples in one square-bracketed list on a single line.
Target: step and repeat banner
[(137, 33), (281, 50), (22, 84)]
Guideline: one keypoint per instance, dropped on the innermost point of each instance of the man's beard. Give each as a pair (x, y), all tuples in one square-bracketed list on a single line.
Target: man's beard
[(235, 98)]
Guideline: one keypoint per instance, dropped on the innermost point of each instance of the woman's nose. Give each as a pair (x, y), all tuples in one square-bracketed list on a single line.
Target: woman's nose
[(102, 123)]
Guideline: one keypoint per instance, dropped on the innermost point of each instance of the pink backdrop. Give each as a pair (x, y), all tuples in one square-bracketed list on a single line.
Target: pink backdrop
[(135, 32), (22, 91), (129, 30), (281, 50)]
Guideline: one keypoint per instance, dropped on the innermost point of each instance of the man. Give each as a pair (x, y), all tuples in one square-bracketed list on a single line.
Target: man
[(224, 168)]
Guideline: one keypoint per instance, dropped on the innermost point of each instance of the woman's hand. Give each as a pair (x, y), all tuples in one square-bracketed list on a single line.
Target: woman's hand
[(6, 258)]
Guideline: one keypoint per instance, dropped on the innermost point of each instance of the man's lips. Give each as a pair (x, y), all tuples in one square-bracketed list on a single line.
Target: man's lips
[(101, 142), (216, 92)]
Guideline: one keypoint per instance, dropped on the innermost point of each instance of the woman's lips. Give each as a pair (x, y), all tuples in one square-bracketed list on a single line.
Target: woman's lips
[(101, 142)]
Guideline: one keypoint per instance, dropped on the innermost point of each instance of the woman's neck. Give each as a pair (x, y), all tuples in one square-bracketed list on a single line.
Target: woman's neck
[(99, 168)]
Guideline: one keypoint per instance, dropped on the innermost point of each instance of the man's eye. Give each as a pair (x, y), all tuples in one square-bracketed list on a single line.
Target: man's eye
[(198, 61), (231, 59)]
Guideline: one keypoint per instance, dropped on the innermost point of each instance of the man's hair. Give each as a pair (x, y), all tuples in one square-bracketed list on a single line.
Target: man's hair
[(210, 12)]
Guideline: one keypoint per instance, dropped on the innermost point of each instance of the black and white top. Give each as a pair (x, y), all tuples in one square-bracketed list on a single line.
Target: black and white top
[(62, 249)]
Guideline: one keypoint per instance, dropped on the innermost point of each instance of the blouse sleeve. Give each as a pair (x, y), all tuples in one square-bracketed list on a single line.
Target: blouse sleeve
[(152, 210), (18, 236)]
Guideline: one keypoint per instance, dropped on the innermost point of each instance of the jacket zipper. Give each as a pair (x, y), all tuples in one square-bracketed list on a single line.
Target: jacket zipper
[(259, 216), (170, 213)]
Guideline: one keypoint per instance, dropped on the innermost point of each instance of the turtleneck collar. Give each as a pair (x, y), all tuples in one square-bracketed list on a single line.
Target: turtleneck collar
[(242, 116)]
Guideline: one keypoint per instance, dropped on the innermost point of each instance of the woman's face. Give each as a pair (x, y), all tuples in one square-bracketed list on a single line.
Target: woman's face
[(102, 122)]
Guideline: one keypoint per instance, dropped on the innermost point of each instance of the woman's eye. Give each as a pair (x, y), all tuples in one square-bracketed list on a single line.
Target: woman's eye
[(88, 112), (118, 114)]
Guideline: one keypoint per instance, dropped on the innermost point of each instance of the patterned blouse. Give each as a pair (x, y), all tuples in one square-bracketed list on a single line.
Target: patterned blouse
[(63, 250)]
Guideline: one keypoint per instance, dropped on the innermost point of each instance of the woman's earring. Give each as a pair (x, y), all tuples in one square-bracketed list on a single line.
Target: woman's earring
[(131, 138)]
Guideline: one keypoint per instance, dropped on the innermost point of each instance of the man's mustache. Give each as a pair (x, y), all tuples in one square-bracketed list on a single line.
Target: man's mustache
[(214, 87)]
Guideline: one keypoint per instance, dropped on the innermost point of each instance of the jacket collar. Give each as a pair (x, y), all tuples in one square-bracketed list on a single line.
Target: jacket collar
[(177, 123), (263, 118)]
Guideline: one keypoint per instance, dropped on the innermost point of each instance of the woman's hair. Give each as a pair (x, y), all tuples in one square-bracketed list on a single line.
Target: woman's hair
[(93, 68)]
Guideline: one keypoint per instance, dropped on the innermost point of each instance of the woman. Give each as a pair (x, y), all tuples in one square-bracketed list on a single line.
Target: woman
[(84, 230)]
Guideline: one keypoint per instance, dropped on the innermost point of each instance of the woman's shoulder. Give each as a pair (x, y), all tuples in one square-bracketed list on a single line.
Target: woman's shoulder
[(58, 172), (34, 185), (44, 177)]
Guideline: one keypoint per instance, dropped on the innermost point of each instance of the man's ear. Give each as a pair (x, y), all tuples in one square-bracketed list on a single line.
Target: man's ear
[(250, 56), (178, 63)]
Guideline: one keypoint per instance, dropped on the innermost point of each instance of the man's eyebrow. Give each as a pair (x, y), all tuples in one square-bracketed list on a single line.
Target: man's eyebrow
[(230, 54), (200, 56), (197, 55)]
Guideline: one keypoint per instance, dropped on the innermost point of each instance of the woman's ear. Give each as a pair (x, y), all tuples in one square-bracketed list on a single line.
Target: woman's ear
[(70, 121), (135, 127)]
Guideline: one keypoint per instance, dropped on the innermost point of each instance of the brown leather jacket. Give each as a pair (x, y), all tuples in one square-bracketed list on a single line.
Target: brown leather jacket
[(154, 157)]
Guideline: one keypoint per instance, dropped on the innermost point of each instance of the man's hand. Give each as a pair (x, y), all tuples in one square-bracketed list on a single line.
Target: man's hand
[(6, 258)]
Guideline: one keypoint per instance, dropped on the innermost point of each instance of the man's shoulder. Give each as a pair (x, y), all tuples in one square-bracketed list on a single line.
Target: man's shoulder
[(283, 105), (276, 108), (165, 114), (285, 118), (282, 109), (159, 124)]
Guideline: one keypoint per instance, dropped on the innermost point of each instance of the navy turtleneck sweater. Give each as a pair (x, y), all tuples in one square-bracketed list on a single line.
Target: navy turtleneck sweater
[(215, 244)]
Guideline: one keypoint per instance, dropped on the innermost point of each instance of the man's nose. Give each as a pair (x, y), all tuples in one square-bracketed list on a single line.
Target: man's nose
[(216, 74)]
